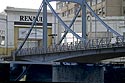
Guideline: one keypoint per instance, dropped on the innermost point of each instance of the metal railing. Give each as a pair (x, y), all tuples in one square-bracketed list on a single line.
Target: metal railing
[(90, 44)]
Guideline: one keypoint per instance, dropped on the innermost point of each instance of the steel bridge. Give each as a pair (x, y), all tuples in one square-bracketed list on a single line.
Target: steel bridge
[(86, 50)]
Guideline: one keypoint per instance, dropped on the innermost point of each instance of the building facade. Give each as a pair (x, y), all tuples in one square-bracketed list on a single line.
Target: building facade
[(110, 11), (101, 7), (15, 24)]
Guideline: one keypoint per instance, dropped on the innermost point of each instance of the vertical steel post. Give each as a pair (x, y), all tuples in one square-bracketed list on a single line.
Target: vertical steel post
[(90, 18), (84, 20), (96, 20), (44, 25)]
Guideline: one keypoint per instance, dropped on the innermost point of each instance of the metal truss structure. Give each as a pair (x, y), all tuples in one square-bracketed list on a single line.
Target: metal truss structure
[(83, 6)]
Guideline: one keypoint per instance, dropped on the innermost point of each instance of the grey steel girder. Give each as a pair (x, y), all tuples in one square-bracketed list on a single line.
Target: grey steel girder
[(74, 1)]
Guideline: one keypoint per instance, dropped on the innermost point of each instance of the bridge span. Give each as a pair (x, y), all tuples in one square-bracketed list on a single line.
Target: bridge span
[(91, 53), (87, 50)]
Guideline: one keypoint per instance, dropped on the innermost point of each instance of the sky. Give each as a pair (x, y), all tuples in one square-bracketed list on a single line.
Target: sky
[(33, 4)]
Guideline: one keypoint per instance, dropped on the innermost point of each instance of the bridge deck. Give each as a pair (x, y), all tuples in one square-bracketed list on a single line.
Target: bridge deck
[(73, 53)]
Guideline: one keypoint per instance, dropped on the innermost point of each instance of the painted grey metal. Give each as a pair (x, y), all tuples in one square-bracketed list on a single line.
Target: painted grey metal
[(44, 25), (61, 21), (33, 23), (94, 55), (100, 20), (83, 21), (74, 1), (91, 44), (70, 25)]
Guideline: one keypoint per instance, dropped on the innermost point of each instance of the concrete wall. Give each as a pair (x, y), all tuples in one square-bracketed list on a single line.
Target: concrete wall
[(78, 73), (39, 73)]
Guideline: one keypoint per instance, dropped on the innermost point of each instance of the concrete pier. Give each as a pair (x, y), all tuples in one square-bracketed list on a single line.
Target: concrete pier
[(39, 73), (78, 73)]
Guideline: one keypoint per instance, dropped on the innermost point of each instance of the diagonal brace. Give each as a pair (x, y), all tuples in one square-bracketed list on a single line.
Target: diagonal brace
[(61, 21), (26, 37), (69, 26)]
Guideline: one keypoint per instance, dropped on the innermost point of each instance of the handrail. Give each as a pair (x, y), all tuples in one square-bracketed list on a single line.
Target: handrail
[(71, 47)]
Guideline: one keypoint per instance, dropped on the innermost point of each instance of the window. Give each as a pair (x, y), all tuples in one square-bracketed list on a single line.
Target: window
[(99, 11), (123, 10), (93, 2), (72, 11), (2, 40), (2, 37), (28, 44), (124, 35), (59, 5), (68, 12), (63, 4), (63, 14), (67, 2), (99, 1)]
